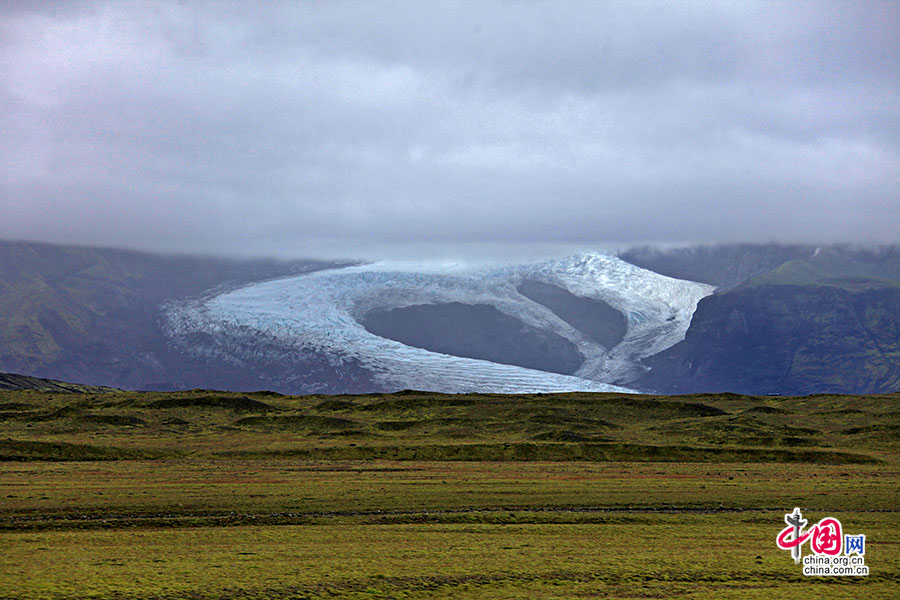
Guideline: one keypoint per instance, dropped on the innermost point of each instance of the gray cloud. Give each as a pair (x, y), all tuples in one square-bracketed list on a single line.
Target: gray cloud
[(361, 128)]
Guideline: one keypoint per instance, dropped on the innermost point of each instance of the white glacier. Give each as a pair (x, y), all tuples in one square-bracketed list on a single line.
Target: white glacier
[(320, 312)]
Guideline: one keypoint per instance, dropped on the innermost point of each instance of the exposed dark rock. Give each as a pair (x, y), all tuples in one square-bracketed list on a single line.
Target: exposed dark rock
[(787, 339), (594, 318), (475, 331)]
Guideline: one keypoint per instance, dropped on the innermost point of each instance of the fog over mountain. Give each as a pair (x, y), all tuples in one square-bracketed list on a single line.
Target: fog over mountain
[(409, 129)]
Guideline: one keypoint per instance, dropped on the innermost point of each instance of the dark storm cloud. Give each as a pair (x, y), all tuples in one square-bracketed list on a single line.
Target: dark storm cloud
[(353, 128)]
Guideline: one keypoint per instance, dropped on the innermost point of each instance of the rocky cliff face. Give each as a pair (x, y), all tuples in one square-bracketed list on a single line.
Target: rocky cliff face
[(840, 336)]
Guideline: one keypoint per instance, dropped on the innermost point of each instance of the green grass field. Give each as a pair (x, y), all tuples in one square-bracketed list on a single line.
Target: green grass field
[(209, 495)]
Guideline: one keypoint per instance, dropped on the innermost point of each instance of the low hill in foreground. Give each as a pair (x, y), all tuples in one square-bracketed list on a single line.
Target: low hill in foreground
[(13, 382), (414, 425)]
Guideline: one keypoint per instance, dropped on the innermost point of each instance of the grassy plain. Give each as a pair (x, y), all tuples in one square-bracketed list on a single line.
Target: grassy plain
[(208, 495)]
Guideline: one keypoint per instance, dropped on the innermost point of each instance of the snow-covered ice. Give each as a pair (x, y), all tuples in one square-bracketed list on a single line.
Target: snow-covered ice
[(320, 311)]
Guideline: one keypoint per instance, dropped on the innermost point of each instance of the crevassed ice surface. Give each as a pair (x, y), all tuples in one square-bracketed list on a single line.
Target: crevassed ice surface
[(320, 311)]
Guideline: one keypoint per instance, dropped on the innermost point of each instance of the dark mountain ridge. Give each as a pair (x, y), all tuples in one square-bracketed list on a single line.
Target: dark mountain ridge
[(92, 314), (828, 323), (730, 265), (787, 339)]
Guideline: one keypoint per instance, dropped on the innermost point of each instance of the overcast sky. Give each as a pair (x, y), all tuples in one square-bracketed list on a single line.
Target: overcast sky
[(372, 128)]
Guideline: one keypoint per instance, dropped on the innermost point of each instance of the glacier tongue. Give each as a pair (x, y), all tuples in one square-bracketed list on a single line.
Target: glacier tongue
[(319, 312)]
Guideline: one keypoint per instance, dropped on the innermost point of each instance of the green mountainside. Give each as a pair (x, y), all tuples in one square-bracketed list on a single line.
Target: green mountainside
[(830, 269), (731, 265), (91, 314), (724, 266)]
